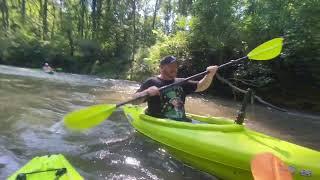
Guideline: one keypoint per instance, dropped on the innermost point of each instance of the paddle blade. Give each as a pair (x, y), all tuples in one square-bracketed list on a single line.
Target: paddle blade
[(88, 117), (267, 50), (267, 166)]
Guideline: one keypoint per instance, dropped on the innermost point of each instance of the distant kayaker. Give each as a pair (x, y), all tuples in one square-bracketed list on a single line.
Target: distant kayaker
[(170, 102), (46, 68)]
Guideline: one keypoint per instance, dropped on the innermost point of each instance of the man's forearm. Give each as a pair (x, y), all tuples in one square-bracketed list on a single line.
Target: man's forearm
[(143, 95), (205, 82)]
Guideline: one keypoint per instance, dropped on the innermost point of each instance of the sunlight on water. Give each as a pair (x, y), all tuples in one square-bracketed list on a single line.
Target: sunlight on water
[(132, 161)]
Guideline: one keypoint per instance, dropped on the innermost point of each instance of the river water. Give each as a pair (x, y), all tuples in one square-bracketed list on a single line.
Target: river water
[(33, 104)]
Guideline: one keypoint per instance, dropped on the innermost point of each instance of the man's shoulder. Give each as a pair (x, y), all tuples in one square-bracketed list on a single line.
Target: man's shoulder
[(151, 80)]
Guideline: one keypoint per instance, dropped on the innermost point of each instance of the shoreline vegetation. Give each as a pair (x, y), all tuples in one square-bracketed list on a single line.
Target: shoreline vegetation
[(125, 40)]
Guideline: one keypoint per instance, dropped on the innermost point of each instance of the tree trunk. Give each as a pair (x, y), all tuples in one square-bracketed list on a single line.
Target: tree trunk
[(23, 11), (98, 17), (134, 36), (40, 17), (5, 14), (167, 17), (86, 28), (156, 7), (134, 28), (93, 18), (61, 15), (108, 5), (145, 23), (71, 44), (44, 20), (81, 18), (54, 19)]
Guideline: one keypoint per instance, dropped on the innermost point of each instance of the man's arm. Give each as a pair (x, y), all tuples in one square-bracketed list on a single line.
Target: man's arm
[(151, 91), (205, 82), (140, 94)]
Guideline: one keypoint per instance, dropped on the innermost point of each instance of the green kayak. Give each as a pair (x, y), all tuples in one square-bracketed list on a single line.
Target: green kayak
[(220, 147), (51, 167)]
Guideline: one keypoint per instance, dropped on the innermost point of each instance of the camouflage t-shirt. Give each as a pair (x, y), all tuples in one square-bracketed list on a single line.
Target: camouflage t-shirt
[(170, 103)]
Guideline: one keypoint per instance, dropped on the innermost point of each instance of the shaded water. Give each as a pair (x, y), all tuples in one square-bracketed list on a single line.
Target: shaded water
[(33, 103)]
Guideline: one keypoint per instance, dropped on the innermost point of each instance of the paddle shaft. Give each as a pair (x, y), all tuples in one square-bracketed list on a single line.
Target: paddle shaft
[(183, 81)]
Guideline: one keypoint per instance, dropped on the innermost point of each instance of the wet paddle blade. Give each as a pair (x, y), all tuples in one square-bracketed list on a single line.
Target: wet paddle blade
[(267, 50), (88, 117), (267, 166)]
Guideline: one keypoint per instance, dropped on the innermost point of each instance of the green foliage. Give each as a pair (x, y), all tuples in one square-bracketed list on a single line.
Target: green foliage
[(215, 38), (302, 51), (214, 23), (143, 66), (176, 45), (147, 60), (254, 75)]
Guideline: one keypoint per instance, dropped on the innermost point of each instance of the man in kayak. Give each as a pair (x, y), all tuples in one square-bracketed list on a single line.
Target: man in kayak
[(169, 103), (46, 68)]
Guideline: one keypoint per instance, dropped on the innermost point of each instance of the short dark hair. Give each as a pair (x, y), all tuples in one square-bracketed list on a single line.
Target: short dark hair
[(168, 60)]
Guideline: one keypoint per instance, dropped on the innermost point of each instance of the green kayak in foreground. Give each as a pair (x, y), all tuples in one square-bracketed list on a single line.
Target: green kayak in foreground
[(51, 167), (220, 147)]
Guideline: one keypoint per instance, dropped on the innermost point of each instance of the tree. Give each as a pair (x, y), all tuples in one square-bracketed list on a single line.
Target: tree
[(5, 14), (156, 8), (23, 11), (44, 19)]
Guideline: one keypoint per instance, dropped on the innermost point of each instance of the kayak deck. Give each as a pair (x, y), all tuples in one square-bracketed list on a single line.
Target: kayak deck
[(221, 147), (47, 167)]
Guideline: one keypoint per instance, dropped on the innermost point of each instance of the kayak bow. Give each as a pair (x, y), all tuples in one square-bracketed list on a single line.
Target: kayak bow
[(47, 167)]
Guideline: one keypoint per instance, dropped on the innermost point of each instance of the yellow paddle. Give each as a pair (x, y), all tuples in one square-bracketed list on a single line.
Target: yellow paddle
[(94, 115), (266, 166)]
